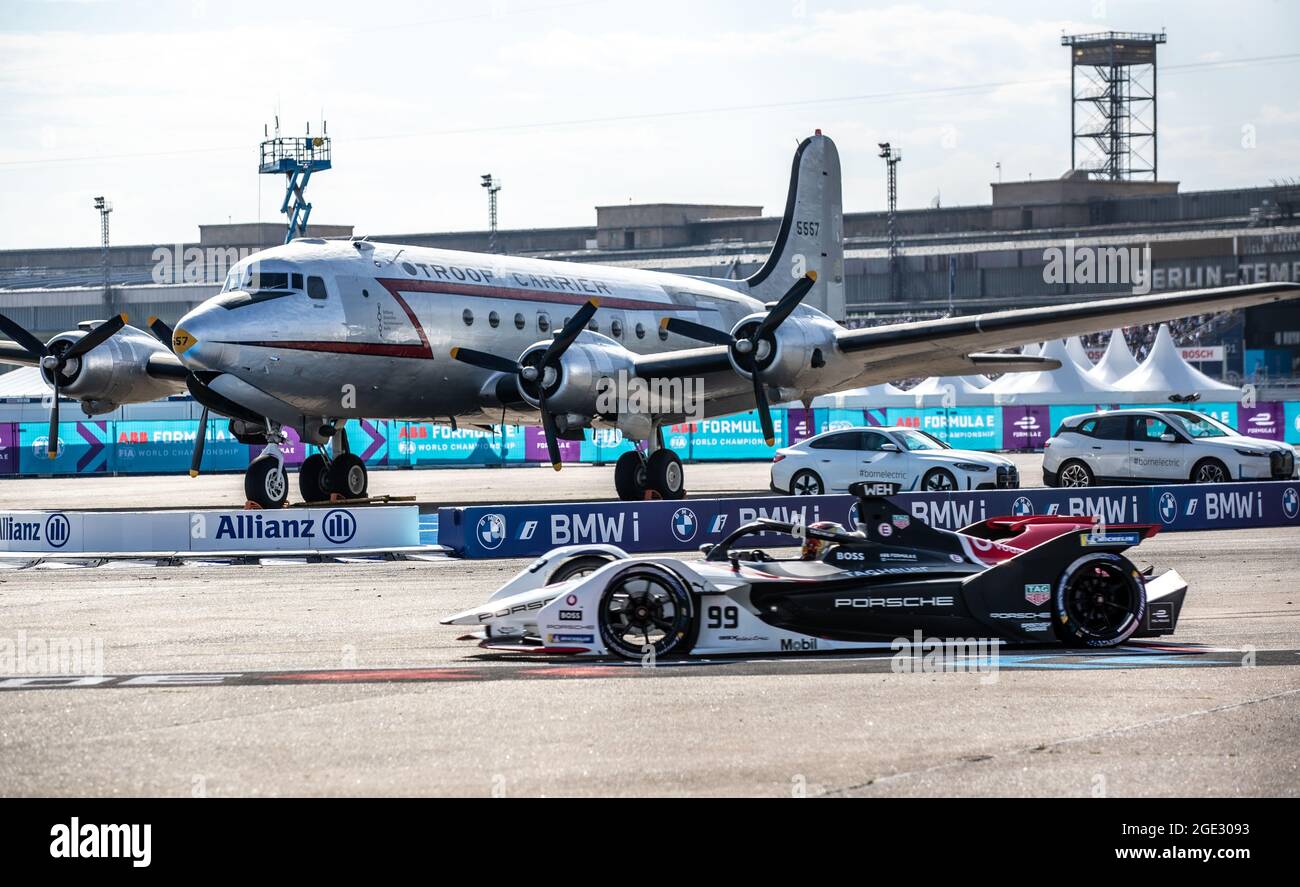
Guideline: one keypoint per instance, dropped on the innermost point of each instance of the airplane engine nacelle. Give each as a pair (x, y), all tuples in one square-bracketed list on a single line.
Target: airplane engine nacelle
[(112, 374), (798, 346), (576, 384)]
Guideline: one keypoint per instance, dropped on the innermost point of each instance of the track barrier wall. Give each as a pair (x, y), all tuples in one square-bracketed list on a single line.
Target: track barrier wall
[(322, 529), (530, 530), (165, 446)]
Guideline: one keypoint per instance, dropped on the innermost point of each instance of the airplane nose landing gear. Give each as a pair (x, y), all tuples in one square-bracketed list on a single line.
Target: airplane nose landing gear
[(266, 483)]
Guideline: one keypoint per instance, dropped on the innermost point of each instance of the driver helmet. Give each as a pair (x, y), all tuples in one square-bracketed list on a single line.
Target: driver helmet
[(814, 548)]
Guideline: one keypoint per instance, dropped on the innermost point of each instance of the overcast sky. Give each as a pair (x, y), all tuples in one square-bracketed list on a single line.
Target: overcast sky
[(577, 103)]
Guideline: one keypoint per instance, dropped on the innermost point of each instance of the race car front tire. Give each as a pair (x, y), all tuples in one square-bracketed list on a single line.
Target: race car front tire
[(645, 612), (577, 566), (1100, 600)]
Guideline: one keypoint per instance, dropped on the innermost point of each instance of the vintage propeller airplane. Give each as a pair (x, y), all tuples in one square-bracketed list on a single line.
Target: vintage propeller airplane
[(315, 332)]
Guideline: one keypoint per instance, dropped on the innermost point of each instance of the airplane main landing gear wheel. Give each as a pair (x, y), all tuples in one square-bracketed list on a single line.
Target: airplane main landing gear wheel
[(348, 476), (265, 482), (314, 479), (630, 476), (664, 474)]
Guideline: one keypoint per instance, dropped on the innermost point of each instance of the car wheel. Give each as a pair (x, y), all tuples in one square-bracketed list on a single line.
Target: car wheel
[(575, 567), (1210, 471), (645, 611), (806, 483), (348, 476), (314, 479), (938, 480), (1100, 601), (1074, 474), (629, 476), (265, 482), (664, 474)]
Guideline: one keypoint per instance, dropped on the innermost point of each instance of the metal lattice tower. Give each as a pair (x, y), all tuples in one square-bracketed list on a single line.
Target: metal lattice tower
[(105, 208), (493, 186), (891, 166), (297, 157), (1113, 104)]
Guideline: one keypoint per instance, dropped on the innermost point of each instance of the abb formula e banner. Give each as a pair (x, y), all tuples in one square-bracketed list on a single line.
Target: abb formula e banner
[(530, 530)]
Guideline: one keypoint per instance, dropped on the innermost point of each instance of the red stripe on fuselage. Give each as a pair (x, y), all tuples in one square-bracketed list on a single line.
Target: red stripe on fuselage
[(523, 294), (371, 349)]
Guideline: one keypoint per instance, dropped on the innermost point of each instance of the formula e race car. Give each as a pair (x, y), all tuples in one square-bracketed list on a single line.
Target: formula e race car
[(1024, 580)]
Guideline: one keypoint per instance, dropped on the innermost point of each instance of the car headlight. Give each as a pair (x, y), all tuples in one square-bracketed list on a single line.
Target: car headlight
[(1251, 453), (971, 466)]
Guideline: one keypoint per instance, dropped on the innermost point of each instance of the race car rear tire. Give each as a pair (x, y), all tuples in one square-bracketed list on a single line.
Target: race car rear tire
[(577, 566), (1100, 601), (645, 612)]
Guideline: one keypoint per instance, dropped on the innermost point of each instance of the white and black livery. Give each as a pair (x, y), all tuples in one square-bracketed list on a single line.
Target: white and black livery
[(1022, 580)]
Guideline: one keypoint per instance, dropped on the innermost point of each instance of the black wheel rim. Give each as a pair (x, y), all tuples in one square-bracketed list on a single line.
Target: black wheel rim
[(940, 481), (1100, 599), (643, 612), (807, 485)]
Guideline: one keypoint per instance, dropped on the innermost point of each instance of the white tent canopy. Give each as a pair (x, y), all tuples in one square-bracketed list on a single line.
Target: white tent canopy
[(883, 395), (1069, 384), (1116, 363), (1079, 354), (23, 382), (1165, 373), (947, 390)]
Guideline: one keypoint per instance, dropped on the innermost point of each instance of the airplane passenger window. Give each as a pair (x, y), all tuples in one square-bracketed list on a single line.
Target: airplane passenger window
[(519, 321), (468, 317), (663, 334), (316, 288), (543, 323), (494, 319), (616, 329), (594, 327), (640, 330)]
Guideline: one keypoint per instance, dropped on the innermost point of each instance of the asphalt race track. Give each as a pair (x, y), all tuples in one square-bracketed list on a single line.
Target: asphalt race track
[(293, 678)]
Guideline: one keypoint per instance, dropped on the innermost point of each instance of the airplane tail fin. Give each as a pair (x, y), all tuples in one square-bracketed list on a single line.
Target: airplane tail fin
[(811, 236)]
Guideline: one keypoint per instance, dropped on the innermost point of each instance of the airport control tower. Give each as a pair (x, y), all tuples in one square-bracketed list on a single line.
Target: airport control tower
[(1113, 104), (296, 157)]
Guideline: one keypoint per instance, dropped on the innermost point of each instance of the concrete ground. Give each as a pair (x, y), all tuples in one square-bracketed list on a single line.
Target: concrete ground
[(301, 720), (448, 486)]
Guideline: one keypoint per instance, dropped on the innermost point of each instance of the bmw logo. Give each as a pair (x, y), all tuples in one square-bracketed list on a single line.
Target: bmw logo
[(1168, 507), (684, 524), (1022, 507), (58, 530), (491, 530), (339, 526), (1290, 502)]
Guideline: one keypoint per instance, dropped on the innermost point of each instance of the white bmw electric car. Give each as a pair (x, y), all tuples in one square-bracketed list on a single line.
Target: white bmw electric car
[(914, 460), (1158, 446)]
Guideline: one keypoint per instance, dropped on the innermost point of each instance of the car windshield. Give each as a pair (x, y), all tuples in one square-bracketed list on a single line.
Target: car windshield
[(919, 440), (1197, 425)]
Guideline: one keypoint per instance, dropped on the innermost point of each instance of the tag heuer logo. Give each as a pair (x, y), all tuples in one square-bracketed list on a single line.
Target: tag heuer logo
[(902, 521), (1038, 594)]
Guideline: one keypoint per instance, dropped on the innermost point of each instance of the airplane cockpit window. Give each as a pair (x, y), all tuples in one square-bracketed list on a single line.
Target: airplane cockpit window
[(316, 288)]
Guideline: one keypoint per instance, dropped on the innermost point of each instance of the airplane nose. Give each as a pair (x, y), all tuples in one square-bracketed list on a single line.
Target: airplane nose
[(195, 341)]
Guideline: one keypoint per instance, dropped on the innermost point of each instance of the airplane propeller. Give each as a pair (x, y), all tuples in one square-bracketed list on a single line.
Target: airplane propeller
[(534, 372), (55, 360), (163, 333), (746, 347)]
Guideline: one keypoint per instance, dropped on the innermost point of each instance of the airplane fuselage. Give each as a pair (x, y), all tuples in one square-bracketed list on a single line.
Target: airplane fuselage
[(353, 329)]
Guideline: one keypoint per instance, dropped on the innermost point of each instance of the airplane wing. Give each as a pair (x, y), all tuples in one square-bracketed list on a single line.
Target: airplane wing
[(959, 345), (911, 349), (13, 353)]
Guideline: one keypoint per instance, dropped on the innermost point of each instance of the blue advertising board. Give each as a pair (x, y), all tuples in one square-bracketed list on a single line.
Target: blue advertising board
[(530, 530)]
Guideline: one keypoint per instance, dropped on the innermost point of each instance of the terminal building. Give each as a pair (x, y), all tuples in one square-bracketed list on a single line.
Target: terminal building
[(1018, 250)]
